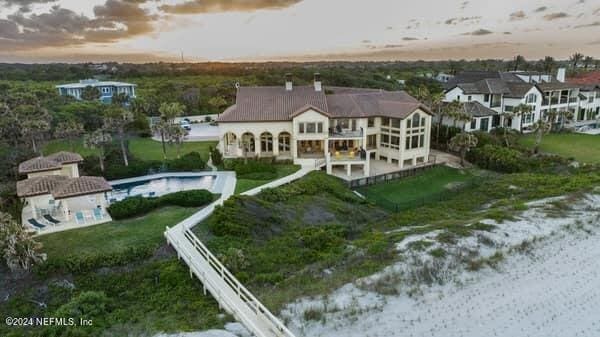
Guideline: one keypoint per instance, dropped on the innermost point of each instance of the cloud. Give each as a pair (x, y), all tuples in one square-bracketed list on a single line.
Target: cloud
[(479, 32), (519, 15), (409, 38), (541, 9), (453, 21), (507, 33), (392, 46), (216, 6), (555, 16), (593, 24), (113, 21)]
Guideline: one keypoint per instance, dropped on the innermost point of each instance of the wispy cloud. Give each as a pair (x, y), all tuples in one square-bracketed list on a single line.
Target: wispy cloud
[(593, 24), (541, 9), (479, 32), (216, 6), (454, 21), (518, 15), (409, 38), (556, 16)]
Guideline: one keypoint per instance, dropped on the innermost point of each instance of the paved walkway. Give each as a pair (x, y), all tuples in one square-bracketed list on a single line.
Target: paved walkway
[(216, 279)]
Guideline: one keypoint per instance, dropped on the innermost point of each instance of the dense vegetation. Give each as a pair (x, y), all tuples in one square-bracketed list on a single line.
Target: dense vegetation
[(138, 205), (121, 275)]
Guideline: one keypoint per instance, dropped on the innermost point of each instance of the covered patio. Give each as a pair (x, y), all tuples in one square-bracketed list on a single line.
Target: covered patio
[(376, 167)]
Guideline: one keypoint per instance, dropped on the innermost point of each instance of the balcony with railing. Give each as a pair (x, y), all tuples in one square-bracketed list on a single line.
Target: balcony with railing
[(339, 156), (345, 133)]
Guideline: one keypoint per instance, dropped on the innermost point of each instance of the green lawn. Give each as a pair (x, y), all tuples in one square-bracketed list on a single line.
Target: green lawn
[(428, 184), (116, 235), (584, 148), (244, 185), (123, 271), (141, 148)]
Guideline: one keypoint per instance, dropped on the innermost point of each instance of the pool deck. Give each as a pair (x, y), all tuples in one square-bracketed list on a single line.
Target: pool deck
[(220, 178)]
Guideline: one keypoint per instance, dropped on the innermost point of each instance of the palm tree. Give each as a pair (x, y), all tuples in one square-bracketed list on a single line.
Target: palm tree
[(18, 246), (548, 64), (454, 110), (90, 93), (69, 130), (117, 119), (541, 127), (587, 61), (34, 123), (168, 113), (463, 143), (520, 111), (98, 140), (176, 135), (575, 59), (519, 59)]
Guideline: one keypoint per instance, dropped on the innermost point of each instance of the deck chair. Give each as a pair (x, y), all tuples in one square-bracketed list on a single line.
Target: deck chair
[(79, 218), (51, 220), (98, 214), (35, 223)]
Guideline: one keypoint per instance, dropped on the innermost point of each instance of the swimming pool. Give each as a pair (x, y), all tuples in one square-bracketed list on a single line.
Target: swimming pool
[(155, 187)]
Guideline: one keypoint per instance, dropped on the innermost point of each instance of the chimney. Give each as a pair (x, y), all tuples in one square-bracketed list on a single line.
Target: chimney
[(560, 76), (288, 82), (318, 84)]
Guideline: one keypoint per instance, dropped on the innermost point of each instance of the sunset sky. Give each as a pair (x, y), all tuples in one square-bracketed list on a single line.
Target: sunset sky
[(245, 30)]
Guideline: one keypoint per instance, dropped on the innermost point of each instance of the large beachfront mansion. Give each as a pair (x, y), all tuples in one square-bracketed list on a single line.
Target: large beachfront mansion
[(352, 132)]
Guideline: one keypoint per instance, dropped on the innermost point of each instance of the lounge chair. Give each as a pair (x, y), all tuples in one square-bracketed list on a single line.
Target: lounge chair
[(79, 218), (51, 220), (35, 223), (98, 214)]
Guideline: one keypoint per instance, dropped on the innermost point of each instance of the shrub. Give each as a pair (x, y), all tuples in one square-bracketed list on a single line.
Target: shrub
[(216, 156), (497, 158), (138, 205), (189, 162)]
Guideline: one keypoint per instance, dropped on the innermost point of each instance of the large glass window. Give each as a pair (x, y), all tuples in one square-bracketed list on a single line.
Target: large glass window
[(284, 142), (371, 122), (301, 128), (266, 142), (311, 128)]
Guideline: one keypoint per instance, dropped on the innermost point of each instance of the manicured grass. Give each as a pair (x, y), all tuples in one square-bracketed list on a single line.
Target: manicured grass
[(116, 235), (148, 149), (584, 148), (244, 185), (141, 148), (425, 185)]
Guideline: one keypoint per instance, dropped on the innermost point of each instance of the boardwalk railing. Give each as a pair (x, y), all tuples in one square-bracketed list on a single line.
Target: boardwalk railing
[(361, 182), (230, 293)]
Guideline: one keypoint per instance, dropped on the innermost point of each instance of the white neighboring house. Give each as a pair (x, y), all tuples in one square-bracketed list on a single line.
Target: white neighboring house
[(443, 77), (339, 128), (106, 88), (503, 91), (57, 198)]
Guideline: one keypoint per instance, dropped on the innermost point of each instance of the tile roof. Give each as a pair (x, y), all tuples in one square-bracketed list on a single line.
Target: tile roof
[(62, 186), (254, 104), (477, 109), (49, 163), (39, 185), (485, 86), (587, 78), (556, 86), (518, 90)]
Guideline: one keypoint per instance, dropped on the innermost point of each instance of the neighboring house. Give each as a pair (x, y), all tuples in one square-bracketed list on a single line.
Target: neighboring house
[(589, 83), (443, 77), (54, 190), (482, 117), (106, 89), (339, 128), (503, 91)]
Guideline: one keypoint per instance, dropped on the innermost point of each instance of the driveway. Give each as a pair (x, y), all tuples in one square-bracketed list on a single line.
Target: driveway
[(200, 132)]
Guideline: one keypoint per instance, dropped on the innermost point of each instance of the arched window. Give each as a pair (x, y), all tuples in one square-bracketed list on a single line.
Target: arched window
[(416, 120), (266, 142), (248, 142), (285, 142)]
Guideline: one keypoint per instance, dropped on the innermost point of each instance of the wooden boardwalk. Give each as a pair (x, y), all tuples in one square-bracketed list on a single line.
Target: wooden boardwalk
[(231, 295)]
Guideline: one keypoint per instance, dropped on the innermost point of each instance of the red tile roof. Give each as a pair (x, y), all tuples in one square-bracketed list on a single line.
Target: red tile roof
[(590, 77)]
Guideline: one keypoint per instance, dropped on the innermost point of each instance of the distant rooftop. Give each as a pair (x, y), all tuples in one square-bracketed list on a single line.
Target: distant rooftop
[(95, 83)]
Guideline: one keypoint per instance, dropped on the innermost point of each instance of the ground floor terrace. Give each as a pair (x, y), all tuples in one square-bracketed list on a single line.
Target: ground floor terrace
[(47, 215)]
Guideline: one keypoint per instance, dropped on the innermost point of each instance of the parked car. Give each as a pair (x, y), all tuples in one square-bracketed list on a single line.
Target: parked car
[(185, 124)]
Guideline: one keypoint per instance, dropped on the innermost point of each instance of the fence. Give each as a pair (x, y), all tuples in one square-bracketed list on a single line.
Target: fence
[(381, 178), (393, 206)]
